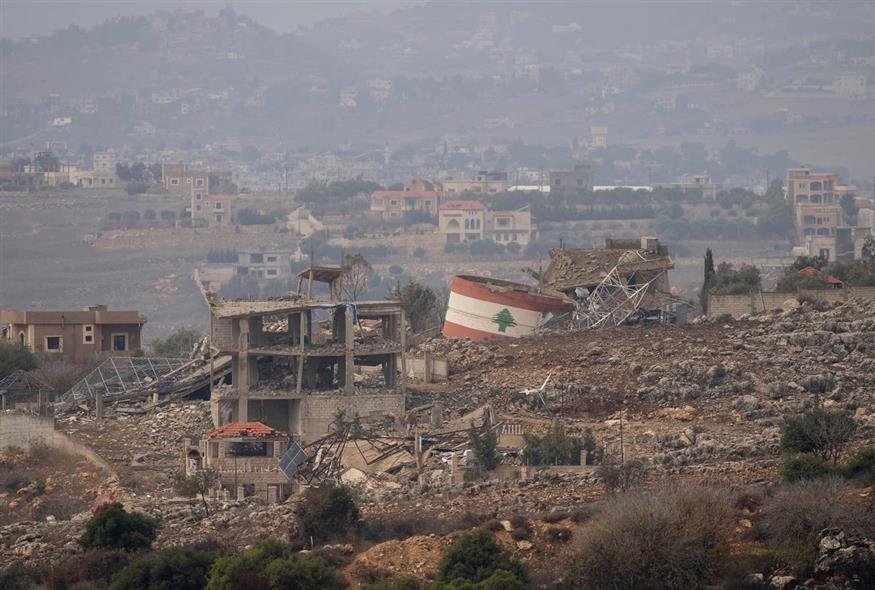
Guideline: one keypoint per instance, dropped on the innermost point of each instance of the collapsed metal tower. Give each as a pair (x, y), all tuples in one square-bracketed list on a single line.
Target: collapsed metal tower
[(119, 376), (612, 301)]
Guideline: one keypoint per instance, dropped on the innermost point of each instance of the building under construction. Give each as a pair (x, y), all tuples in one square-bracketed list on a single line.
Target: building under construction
[(299, 364)]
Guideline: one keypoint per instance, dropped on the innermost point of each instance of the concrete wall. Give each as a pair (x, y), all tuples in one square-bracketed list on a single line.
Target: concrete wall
[(429, 371), (24, 430), (738, 305), (320, 410)]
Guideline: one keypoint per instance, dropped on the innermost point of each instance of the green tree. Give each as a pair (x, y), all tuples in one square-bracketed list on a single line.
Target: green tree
[(178, 344), (115, 528), (418, 301), (709, 279), (198, 483), (557, 448), (328, 511), (13, 358), (476, 556), (484, 443), (176, 568), (821, 432), (271, 565), (736, 281), (504, 319)]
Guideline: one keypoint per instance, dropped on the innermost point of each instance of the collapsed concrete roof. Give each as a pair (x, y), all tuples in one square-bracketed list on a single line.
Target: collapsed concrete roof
[(572, 268)]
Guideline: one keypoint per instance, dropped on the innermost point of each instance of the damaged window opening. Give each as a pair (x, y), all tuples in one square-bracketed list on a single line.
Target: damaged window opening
[(248, 449)]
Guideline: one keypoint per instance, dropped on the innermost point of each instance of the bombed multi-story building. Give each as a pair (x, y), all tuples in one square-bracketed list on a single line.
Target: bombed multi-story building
[(299, 363)]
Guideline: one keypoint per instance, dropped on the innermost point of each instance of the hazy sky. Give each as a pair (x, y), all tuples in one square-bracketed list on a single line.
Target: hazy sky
[(20, 18)]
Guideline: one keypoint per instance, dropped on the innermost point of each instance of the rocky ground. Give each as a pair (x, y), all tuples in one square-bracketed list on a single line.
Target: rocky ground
[(703, 402)]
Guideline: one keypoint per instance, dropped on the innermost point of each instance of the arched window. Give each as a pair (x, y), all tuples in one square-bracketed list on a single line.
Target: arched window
[(453, 224)]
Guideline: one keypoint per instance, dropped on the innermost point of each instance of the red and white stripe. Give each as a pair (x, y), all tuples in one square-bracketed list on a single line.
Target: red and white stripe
[(473, 308)]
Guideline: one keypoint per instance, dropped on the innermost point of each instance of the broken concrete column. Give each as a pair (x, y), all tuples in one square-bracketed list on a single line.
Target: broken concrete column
[(241, 492), (349, 343), (98, 405), (436, 415), (584, 456)]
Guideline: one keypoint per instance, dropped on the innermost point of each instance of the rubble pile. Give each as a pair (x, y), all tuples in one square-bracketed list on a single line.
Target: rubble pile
[(145, 448)]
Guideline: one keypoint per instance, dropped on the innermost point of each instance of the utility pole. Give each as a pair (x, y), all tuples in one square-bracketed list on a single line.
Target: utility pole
[(622, 445)]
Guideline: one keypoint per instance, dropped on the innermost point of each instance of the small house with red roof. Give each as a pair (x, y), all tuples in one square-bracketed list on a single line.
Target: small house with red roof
[(809, 272), (417, 195), (245, 455)]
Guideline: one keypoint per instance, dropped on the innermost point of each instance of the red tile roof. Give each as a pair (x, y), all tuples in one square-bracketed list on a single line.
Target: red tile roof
[(463, 205), (244, 430), (812, 273)]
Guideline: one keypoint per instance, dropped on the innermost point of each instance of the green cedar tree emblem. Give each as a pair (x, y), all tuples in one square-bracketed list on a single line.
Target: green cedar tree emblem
[(504, 319)]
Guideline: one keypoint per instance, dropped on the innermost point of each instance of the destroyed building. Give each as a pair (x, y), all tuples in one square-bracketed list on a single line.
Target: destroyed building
[(299, 363), (245, 457), (625, 280)]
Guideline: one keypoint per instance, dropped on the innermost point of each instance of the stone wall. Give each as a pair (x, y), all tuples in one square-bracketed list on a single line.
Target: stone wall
[(738, 305)]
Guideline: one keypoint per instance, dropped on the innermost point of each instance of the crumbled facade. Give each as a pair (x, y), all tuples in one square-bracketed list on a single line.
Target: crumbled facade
[(299, 362), (245, 457)]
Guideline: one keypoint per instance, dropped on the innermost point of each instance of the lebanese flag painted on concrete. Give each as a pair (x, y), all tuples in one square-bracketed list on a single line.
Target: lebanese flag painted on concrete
[(477, 312)]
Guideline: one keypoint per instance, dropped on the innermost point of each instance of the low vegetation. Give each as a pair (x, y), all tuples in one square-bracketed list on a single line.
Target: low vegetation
[(112, 527), (671, 539), (328, 512)]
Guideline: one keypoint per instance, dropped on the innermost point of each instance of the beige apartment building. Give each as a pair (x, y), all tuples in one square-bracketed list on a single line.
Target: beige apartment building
[(468, 221), (483, 183), (815, 200), (416, 195), (462, 221), (78, 335), (509, 227)]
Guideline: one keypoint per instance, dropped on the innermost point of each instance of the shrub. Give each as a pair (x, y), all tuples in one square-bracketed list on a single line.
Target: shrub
[(672, 539), (474, 557), (180, 568), (621, 477), (804, 467), (797, 513), (862, 466), (97, 566), (270, 565), (405, 583), (13, 358), (14, 481), (822, 432), (115, 528), (179, 343), (137, 188), (328, 511)]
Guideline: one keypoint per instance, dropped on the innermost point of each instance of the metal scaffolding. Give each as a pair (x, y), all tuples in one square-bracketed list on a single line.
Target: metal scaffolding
[(612, 301), (117, 376)]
